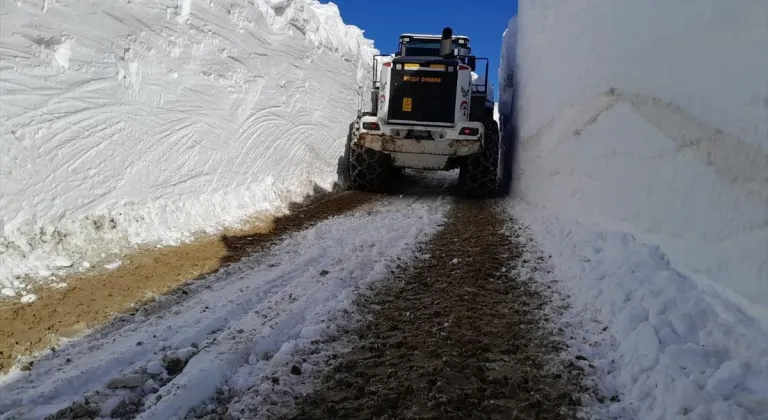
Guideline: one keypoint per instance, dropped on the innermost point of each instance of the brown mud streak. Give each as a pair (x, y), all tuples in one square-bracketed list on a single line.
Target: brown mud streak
[(91, 300), (453, 339)]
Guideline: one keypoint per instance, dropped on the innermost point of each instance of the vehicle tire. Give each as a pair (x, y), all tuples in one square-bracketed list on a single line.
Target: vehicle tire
[(369, 170), (342, 170), (506, 159), (478, 173)]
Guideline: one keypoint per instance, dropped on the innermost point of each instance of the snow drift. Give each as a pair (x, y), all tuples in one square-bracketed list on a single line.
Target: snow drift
[(149, 121), (652, 118)]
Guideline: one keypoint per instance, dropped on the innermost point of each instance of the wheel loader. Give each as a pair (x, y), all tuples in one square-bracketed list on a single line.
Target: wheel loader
[(429, 110)]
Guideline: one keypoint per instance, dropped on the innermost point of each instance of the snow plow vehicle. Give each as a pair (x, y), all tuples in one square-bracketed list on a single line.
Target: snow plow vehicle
[(429, 111)]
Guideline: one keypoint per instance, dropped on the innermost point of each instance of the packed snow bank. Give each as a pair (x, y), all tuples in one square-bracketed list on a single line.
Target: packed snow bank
[(652, 118), (663, 346), (148, 121)]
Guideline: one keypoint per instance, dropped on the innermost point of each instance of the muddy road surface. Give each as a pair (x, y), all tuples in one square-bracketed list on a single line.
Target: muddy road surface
[(456, 335), (406, 306)]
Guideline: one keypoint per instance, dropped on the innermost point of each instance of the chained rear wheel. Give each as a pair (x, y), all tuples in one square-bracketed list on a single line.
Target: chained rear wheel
[(478, 174), (370, 170)]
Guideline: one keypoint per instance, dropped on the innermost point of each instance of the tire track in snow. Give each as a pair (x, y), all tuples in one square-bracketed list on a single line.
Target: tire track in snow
[(460, 334), (286, 297)]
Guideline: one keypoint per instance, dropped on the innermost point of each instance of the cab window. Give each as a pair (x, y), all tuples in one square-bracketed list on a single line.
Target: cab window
[(424, 48)]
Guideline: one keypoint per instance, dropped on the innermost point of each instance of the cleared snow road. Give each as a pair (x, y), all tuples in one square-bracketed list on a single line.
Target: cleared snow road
[(458, 334), (230, 328), (307, 329)]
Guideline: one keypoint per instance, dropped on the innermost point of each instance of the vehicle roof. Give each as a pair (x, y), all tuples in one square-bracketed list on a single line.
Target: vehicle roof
[(432, 36)]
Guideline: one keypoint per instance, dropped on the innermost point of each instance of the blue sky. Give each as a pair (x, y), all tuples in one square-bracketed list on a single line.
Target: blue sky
[(384, 21)]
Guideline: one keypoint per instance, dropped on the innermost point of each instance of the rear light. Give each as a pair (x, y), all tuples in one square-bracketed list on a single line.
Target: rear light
[(371, 126), (469, 131), (387, 64), (464, 67)]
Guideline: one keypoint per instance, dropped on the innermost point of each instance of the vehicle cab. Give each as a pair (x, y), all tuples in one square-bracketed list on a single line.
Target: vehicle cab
[(414, 45)]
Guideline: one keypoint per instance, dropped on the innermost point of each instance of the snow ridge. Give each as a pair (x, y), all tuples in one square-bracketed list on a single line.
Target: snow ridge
[(138, 122)]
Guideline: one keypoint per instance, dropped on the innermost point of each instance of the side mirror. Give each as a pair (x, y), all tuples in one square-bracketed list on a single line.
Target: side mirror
[(472, 62)]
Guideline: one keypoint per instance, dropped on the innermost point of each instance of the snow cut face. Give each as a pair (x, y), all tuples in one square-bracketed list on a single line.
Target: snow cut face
[(631, 115), (642, 169), (136, 122), (663, 346)]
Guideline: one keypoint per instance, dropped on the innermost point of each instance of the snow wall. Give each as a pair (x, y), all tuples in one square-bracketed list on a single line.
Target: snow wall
[(506, 76), (649, 117), (145, 121)]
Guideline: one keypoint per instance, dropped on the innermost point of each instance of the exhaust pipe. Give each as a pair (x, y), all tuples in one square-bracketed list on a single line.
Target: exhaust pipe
[(446, 43)]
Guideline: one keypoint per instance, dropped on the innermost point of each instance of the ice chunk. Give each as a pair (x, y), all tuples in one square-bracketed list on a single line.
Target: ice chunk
[(29, 298), (63, 262), (155, 367), (724, 381)]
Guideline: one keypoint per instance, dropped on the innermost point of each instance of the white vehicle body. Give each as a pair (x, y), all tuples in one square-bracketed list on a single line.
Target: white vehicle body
[(429, 110), (413, 153), (415, 144)]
